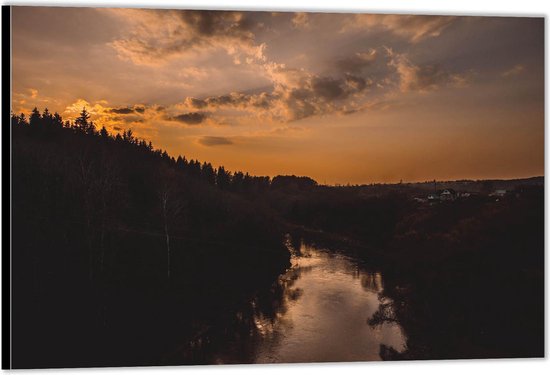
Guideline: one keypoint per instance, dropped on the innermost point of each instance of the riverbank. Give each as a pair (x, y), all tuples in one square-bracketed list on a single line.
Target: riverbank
[(466, 278)]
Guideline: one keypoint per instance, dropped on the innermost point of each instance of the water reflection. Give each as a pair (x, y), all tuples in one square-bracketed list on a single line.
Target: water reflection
[(317, 311)]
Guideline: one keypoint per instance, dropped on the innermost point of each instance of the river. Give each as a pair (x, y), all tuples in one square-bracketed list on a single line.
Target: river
[(317, 311)]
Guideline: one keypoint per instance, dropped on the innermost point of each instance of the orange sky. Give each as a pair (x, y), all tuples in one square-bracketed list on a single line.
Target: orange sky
[(343, 98)]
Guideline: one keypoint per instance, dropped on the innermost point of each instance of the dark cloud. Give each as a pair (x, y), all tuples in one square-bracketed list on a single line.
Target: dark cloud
[(187, 30), (297, 94), (235, 100), (196, 103), (127, 118), (191, 118), (319, 95), (215, 141), (117, 128), (327, 88), (139, 109), (223, 100), (121, 111), (214, 23), (357, 62)]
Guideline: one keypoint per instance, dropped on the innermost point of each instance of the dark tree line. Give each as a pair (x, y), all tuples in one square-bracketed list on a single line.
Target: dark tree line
[(109, 233), (237, 182)]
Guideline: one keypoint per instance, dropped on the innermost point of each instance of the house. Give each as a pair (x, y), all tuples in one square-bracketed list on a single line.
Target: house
[(447, 195), (498, 193)]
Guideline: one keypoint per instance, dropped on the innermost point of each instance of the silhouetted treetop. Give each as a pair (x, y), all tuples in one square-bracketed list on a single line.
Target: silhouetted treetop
[(293, 182)]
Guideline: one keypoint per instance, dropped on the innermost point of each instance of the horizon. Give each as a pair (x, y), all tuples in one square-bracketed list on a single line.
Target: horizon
[(355, 98), (338, 184)]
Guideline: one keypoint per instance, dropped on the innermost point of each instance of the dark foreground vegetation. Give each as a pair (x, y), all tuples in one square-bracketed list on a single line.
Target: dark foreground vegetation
[(467, 279), (463, 277), (121, 253)]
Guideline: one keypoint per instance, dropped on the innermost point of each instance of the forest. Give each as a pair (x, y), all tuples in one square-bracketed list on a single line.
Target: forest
[(120, 250)]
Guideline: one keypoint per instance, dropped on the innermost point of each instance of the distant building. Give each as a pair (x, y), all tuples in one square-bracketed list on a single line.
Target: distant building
[(447, 195), (433, 197), (498, 193)]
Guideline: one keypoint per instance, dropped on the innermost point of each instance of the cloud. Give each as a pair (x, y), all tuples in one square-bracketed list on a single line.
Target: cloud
[(414, 28), (76, 107), (357, 62), (300, 20), (161, 35), (310, 96), (423, 78), (514, 71), (191, 118), (138, 109), (328, 88), (27, 99), (234, 100), (121, 111), (295, 94), (142, 119), (214, 141), (357, 83)]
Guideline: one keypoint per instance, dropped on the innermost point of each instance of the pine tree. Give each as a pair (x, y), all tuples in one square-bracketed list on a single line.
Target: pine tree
[(35, 118), (104, 133), (83, 124), (47, 118), (57, 120)]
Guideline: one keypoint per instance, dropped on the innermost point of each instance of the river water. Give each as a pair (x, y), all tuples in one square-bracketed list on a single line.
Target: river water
[(330, 302), (317, 311)]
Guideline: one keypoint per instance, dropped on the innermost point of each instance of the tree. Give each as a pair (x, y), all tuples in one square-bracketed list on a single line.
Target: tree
[(14, 120), (128, 136), (23, 119), (208, 174), (83, 124), (238, 181), (57, 121), (171, 206), (35, 118), (181, 163), (47, 118), (223, 178), (104, 133)]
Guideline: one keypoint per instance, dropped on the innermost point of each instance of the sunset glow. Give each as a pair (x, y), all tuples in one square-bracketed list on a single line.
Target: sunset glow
[(343, 98)]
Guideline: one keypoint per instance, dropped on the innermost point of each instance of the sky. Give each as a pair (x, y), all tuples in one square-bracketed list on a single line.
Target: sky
[(343, 98)]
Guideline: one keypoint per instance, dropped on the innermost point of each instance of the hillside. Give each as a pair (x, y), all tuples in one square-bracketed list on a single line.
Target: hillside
[(108, 233)]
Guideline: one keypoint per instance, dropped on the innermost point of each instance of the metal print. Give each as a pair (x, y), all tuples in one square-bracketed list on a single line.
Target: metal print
[(238, 187)]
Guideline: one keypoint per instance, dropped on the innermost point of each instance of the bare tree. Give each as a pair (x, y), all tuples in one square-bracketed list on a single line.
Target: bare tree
[(172, 206)]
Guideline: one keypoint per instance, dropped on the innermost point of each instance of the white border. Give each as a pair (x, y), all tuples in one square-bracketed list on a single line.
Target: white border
[(458, 7), (465, 7)]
